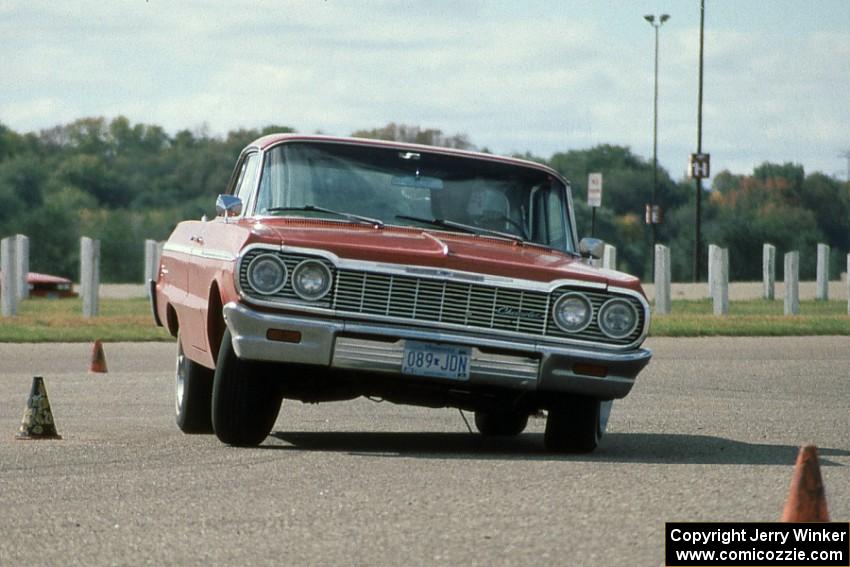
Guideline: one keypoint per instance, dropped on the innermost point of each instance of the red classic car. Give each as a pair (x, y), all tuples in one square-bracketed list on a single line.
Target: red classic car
[(52, 287), (340, 267)]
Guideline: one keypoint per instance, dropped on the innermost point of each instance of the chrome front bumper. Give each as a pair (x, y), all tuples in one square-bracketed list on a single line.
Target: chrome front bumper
[(370, 347)]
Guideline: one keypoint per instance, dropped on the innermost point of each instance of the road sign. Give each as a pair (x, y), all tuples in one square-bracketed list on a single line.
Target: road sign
[(653, 214), (594, 189), (699, 166)]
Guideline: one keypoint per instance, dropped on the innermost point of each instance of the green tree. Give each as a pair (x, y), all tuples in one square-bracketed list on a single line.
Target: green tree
[(416, 135)]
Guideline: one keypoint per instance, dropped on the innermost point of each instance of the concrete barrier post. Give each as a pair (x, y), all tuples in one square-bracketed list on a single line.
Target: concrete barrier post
[(9, 282), (792, 283), (768, 272), (90, 275), (713, 250), (720, 272), (822, 292), (22, 263), (662, 279), (609, 257), (153, 250)]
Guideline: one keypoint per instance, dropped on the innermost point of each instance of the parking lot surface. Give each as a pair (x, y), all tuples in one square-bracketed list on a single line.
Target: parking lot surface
[(709, 433)]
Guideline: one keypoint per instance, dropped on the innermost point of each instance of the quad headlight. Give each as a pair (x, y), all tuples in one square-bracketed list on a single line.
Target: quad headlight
[(572, 312), (267, 274), (311, 280), (618, 318)]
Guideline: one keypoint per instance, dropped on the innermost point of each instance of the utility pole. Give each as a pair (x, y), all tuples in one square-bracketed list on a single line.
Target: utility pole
[(652, 211), (697, 212)]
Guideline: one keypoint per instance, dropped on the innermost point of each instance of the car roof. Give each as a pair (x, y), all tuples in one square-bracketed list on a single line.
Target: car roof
[(271, 140)]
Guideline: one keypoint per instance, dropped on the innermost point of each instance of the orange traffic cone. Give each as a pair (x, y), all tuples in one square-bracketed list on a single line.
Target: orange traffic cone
[(38, 419), (98, 359), (806, 500)]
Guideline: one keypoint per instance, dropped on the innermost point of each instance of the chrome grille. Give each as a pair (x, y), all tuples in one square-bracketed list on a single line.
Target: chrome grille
[(443, 302), (421, 299)]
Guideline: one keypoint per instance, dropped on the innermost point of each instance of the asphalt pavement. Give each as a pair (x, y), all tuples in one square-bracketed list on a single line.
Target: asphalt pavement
[(710, 433)]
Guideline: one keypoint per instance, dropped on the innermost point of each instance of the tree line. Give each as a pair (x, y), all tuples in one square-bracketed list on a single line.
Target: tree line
[(122, 183)]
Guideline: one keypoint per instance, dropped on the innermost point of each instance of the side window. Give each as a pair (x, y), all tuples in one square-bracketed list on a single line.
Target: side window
[(555, 220), (247, 178), (548, 218)]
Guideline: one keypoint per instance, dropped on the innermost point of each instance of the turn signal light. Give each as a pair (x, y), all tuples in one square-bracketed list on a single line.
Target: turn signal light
[(283, 336), (590, 369)]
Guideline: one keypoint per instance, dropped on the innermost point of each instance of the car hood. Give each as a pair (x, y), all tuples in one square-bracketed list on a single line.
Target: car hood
[(436, 249)]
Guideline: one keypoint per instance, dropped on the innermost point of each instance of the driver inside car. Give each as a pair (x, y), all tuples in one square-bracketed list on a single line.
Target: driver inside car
[(489, 209)]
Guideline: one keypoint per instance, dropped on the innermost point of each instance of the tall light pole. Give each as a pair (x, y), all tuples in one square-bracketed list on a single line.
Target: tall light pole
[(652, 217), (698, 203)]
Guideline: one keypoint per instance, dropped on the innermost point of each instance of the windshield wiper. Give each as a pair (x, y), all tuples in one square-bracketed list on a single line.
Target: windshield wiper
[(445, 223), (349, 216)]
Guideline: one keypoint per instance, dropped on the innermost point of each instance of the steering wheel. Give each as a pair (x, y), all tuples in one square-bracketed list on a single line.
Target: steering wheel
[(488, 217)]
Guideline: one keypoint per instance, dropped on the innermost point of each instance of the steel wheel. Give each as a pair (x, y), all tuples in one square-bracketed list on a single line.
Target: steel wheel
[(193, 394)]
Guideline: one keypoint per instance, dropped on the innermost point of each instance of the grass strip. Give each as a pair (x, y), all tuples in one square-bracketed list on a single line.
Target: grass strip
[(752, 318), (60, 320)]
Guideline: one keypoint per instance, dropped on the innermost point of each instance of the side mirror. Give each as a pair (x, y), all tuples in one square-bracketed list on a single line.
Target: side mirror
[(591, 248), (228, 206)]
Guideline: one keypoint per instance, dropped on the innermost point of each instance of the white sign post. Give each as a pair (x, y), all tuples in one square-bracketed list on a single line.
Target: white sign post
[(594, 189), (594, 197)]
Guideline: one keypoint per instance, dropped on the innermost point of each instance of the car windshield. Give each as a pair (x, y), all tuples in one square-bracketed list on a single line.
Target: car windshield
[(421, 189)]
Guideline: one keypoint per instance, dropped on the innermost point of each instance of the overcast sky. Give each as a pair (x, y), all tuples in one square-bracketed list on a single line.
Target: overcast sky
[(514, 76)]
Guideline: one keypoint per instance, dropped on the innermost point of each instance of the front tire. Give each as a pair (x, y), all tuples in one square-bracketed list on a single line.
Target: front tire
[(193, 394), (501, 423), (245, 402), (575, 425)]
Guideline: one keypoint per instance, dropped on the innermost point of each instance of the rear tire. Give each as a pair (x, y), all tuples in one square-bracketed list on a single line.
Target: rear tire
[(193, 394), (500, 424), (574, 425), (245, 402)]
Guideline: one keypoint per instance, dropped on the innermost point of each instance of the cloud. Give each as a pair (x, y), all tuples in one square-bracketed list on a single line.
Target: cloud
[(542, 77)]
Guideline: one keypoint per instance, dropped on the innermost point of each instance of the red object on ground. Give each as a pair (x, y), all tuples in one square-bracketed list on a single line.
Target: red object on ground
[(806, 499), (98, 359)]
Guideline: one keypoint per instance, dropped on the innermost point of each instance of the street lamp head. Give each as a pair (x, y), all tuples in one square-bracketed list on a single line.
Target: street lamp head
[(649, 19), (664, 17)]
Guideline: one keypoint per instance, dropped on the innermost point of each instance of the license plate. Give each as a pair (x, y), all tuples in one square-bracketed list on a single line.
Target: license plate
[(439, 361)]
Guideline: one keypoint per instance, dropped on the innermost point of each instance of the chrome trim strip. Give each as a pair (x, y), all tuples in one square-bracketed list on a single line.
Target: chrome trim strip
[(175, 247), (444, 248), (210, 253), (431, 273), (215, 254)]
